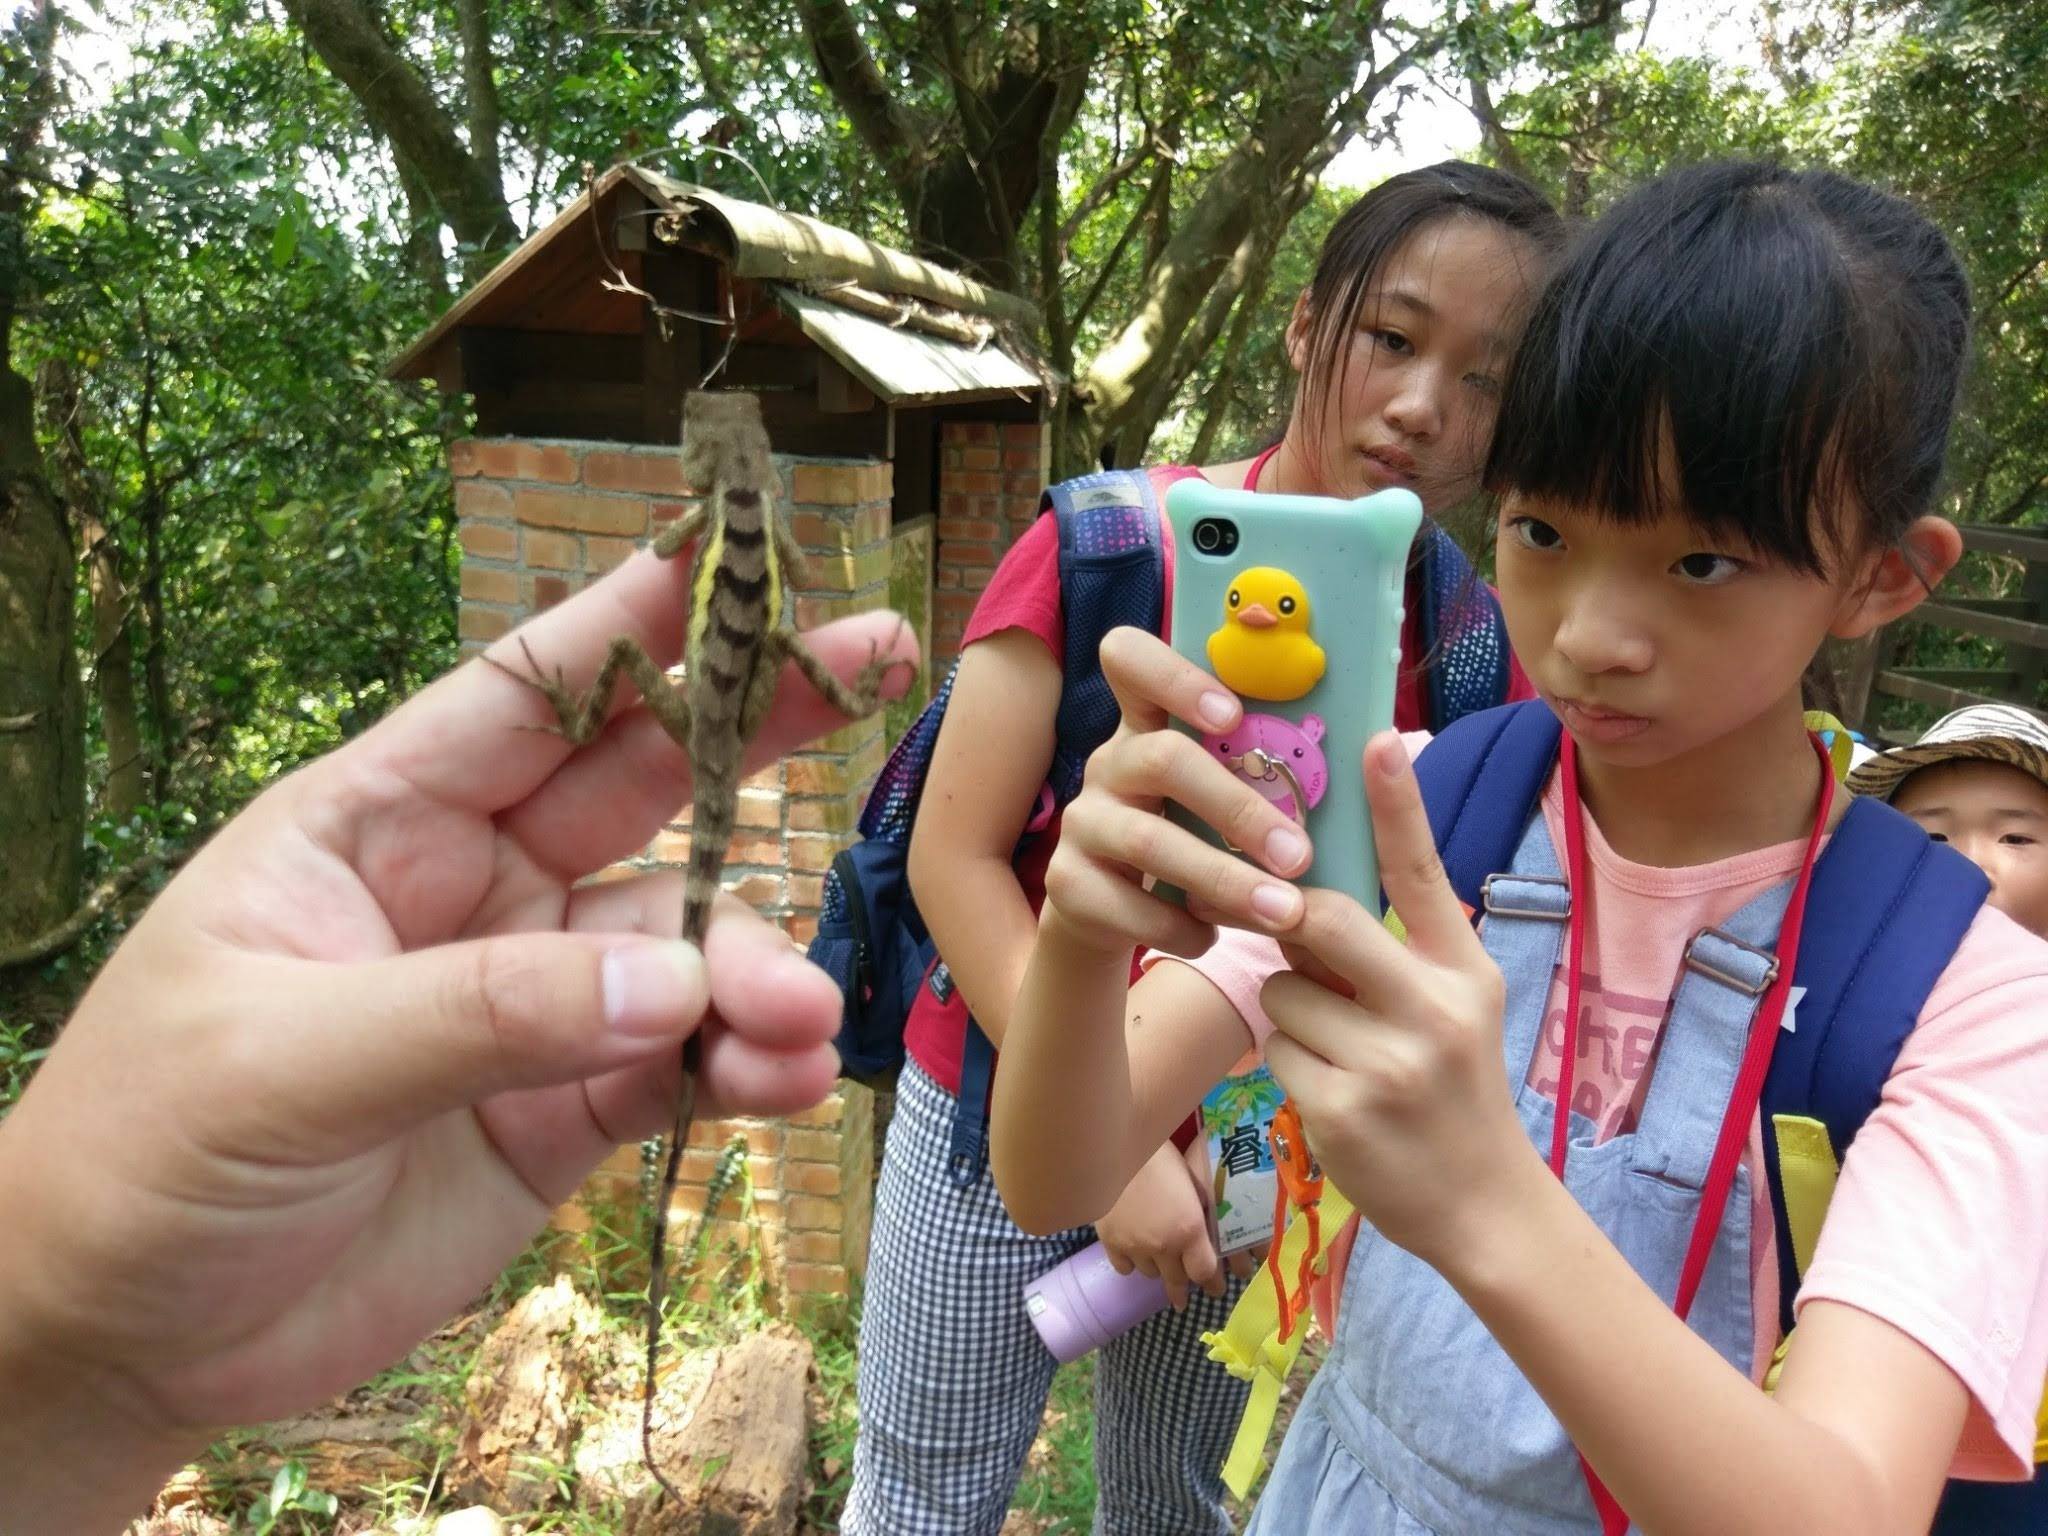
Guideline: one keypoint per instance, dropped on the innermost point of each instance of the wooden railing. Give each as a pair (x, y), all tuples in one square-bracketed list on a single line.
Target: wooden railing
[(2018, 625)]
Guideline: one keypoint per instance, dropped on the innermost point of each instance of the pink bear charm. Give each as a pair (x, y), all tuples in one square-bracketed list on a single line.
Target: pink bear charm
[(1284, 742)]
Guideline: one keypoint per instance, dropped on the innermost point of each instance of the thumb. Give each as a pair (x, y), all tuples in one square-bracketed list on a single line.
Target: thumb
[(378, 1047)]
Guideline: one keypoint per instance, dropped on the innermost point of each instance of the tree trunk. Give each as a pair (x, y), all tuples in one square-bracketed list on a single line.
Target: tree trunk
[(164, 734), (42, 707), (968, 183), (42, 711), (114, 665), (521, 1403), (1239, 292), (423, 227), (156, 674), (739, 1460), (1222, 388)]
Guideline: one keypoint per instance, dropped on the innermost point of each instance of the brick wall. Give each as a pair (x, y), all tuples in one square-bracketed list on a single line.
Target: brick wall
[(539, 519), (990, 477)]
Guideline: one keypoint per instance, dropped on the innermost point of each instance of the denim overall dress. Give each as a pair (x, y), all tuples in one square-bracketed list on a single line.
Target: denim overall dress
[(1418, 1421)]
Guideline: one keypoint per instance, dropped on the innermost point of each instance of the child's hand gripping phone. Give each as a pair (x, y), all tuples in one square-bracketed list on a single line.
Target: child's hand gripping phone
[(1294, 603)]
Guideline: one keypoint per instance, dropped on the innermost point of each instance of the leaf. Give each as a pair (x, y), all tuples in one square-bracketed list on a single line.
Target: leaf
[(179, 140), (285, 243)]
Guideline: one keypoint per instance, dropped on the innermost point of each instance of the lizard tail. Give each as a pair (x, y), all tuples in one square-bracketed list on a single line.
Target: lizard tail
[(711, 827), (657, 1277), (711, 824)]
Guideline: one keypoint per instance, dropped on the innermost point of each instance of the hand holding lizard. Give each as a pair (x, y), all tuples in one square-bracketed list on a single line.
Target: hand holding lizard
[(358, 1050)]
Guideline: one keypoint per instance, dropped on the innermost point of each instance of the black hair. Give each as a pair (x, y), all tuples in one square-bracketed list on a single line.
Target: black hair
[(1369, 232), (1796, 339)]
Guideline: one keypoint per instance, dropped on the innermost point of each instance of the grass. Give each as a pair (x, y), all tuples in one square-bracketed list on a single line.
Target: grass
[(23, 1043), (1058, 1486)]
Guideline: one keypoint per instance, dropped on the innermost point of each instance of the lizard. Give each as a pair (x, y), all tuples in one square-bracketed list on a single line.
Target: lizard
[(740, 633)]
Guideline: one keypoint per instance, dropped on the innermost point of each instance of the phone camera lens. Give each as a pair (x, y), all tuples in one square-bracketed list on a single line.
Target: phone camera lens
[(1213, 536)]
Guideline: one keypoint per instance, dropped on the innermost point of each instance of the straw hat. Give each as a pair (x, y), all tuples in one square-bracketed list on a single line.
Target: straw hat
[(1991, 733)]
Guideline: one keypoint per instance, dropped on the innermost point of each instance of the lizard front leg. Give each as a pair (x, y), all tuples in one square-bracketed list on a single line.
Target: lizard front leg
[(680, 534), (580, 720), (794, 561)]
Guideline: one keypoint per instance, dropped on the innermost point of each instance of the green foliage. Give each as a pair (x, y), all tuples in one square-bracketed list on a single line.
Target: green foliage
[(23, 1043), (1941, 102), (289, 1505)]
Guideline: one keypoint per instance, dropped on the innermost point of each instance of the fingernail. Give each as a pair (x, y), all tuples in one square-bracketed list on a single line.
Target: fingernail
[(1275, 903), (1285, 847), (655, 989), (1217, 709)]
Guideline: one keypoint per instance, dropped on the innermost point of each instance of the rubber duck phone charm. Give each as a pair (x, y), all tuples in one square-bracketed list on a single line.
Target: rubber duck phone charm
[(1294, 603)]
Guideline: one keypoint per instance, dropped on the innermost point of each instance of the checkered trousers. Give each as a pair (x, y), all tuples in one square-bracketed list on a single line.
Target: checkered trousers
[(953, 1378)]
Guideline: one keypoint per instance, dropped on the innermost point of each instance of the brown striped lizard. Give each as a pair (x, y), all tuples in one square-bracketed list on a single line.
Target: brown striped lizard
[(740, 634)]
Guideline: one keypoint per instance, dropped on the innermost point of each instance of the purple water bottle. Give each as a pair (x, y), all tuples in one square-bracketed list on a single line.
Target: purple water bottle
[(1084, 1303)]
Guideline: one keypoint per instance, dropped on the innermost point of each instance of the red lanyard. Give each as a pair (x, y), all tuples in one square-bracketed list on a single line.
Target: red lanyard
[(1749, 1081)]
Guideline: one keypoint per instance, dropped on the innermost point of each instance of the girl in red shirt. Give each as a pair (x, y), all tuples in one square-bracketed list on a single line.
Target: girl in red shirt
[(1400, 343)]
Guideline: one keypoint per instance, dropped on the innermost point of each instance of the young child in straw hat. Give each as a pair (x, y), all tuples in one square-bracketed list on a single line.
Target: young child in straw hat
[(1978, 779)]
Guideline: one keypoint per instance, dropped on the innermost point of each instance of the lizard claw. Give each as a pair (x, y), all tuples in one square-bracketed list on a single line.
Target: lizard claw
[(556, 693), (868, 682)]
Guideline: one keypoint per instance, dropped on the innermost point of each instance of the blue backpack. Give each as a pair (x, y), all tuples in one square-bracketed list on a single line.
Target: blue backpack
[(871, 938), (1886, 911)]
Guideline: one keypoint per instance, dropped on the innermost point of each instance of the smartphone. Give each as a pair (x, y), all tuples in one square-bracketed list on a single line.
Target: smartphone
[(1294, 603)]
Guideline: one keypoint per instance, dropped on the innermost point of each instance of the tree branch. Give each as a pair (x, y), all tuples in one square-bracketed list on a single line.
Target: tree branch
[(1496, 137), (481, 88), (401, 107), (62, 936), (1105, 186), (1109, 264), (891, 134), (1294, 121), (1052, 239), (1223, 386)]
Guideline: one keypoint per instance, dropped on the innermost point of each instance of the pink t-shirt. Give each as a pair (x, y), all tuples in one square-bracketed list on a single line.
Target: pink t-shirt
[(1939, 1224)]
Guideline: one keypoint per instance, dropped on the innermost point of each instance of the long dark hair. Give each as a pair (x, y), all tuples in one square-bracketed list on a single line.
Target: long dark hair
[(1369, 232), (1784, 341)]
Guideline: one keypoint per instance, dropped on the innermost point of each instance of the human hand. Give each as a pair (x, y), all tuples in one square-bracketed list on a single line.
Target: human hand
[(361, 1047), (1391, 1051), (1114, 839), (1160, 1225), (1244, 1263)]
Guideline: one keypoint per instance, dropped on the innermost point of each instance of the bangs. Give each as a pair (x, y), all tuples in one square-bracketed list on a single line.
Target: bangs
[(1698, 356)]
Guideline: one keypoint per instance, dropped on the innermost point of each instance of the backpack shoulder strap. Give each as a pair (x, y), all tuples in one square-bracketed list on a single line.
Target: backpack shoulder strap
[(891, 808), (1112, 572), (1462, 634), (1481, 778), (1888, 907)]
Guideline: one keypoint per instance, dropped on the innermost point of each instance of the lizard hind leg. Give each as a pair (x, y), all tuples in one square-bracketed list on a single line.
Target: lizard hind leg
[(857, 699)]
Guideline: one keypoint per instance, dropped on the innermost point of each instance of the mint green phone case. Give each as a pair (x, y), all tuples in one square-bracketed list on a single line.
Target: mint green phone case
[(1302, 621)]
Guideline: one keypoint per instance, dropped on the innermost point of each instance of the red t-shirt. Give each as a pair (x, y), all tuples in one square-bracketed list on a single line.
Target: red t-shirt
[(1024, 593)]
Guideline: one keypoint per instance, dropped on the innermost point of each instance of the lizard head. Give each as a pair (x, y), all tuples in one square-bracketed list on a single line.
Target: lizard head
[(724, 441)]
